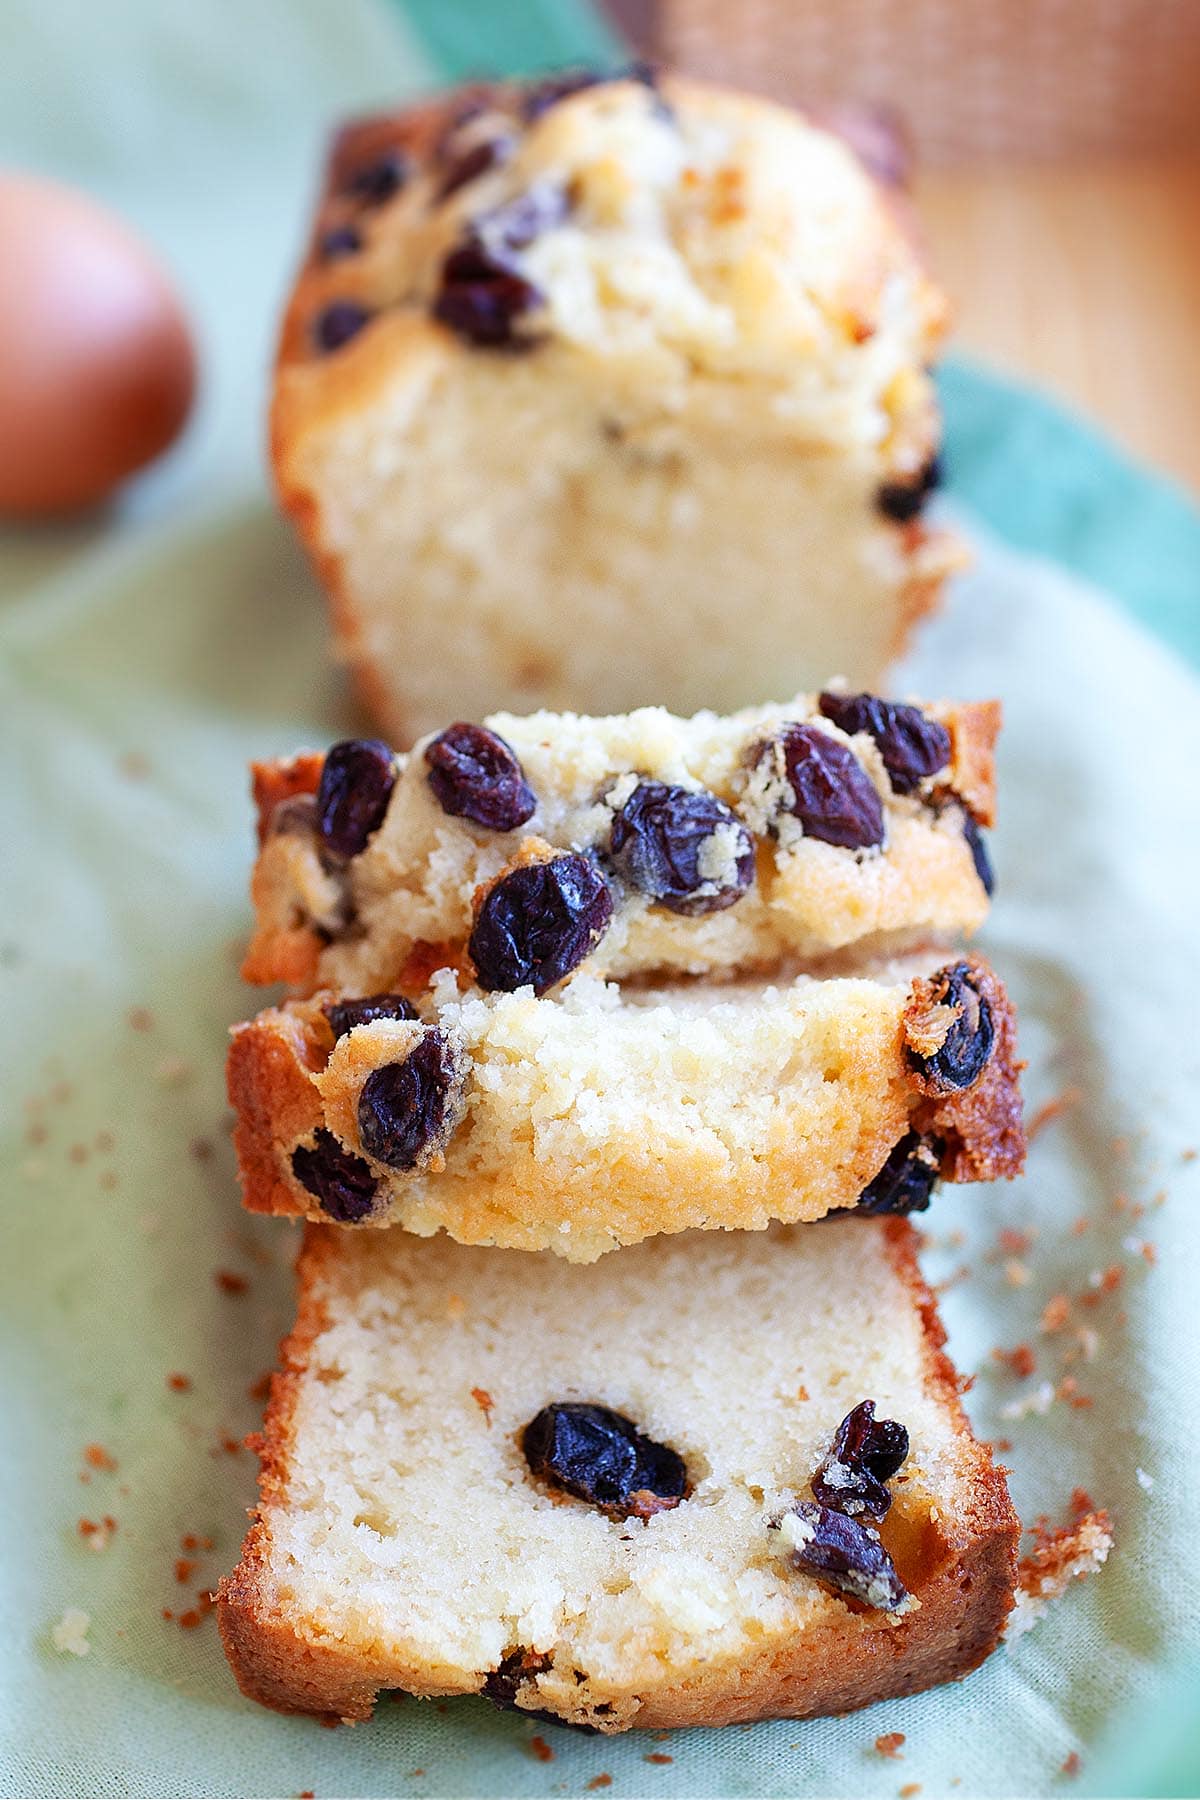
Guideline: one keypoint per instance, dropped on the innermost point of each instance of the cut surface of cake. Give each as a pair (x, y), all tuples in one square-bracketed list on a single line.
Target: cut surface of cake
[(720, 1478), (582, 1123), (609, 393), (693, 846)]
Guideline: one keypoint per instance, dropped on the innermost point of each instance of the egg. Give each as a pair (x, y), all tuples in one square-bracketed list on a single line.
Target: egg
[(97, 366)]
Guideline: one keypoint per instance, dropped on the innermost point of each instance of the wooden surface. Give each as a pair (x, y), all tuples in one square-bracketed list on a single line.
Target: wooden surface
[(1087, 280)]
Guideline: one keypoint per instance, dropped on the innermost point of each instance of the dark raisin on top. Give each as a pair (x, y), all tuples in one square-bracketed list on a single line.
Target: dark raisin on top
[(475, 775), (356, 784), (904, 500), (538, 922), (481, 298), (866, 1452), (847, 1555), (407, 1109), (963, 1054), (656, 840), (907, 1179), (912, 745), (977, 845), (540, 96), (338, 322), (375, 182), (832, 795), (473, 161), (344, 1015), (482, 293), (339, 241), (341, 1182), (600, 1456)]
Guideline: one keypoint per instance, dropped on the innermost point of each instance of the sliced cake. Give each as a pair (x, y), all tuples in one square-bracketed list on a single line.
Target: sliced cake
[(718, 1478)]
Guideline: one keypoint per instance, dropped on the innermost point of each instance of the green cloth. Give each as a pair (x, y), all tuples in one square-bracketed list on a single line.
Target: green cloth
[(147, 654)]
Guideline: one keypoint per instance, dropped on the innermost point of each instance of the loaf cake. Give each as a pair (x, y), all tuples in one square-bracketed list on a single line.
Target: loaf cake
[(606, 393), (690, 846), (719, 1478), (581, 1124)]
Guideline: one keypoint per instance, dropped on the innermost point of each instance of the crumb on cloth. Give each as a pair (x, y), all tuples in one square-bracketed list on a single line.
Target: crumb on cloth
[(70, 1635)]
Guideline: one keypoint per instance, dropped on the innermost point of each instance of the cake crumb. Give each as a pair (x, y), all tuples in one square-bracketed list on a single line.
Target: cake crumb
[(603, 1781), (1144, 1481), (658, 1756), (889, 1744), (230, 1282), (97, 1533), (1015, 1243), (140, 1018), (190, 1541), (260, 1389), (70, 1635), (1020, 1360), (200, 1149), (485, 1403), (97, 1457), (1081, 1502), (179, 1384), (1052, 1109), (909, 1789), (1016, 1273), (540, 1748), (185, 1568), (174, 1071), (1072, 1765), (1055, 1314)]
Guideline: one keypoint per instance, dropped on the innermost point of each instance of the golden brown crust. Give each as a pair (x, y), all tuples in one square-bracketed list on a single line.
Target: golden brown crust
[(965, 1581), (283, 779)]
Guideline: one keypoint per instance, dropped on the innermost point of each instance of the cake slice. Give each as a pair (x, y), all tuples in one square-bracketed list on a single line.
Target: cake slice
[(612, 1114), (655, 1493), (693, 846), (603, 393)]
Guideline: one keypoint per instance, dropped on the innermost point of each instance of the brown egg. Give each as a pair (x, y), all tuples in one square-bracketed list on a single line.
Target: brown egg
[(97, 368)]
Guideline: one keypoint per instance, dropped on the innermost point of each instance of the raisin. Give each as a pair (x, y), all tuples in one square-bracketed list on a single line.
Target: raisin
[(538, 922), (600, 1456), (846, 1555), (471, 163), (962, 1056), (338, 322), (481, 297), (866, 1452), (977, 845), (339, 1180), (912, 746), (375, 182), (344, 1015), (542, 95), (356, 785), (501, 1686), (657, 840), (903, 500), (407, 1109), (906, 1181), (832, 795), (475, 775), (339, 241)]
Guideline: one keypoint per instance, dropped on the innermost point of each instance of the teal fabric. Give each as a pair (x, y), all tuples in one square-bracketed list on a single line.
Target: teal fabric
[(146, 654), (1050, 483)]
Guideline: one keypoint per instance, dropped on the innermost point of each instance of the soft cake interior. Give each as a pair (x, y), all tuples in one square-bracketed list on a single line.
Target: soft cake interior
[(405, 1529)]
